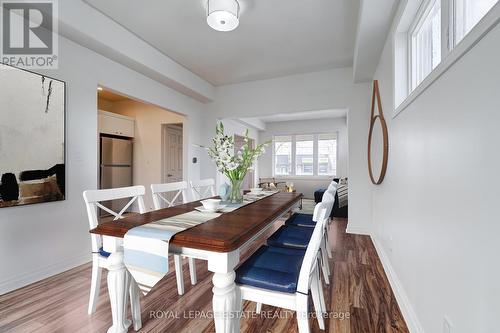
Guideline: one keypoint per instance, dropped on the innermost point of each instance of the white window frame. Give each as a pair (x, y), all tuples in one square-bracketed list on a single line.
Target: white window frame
[(418, 21), (315, 155), (293, 168), (453, 20), (407, 17)]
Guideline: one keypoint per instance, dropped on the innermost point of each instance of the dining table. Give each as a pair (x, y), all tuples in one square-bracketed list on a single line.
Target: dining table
[(219, 241)]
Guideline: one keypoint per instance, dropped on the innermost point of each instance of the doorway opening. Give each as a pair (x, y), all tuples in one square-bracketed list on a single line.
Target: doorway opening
[(132, 138), (307, 150), (249, 180)]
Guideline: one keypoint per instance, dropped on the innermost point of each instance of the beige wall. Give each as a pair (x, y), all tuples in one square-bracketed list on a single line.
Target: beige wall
[(147, 165), (104, 104)]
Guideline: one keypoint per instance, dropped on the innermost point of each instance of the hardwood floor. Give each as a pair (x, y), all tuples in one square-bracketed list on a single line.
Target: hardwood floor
[(360, 300)]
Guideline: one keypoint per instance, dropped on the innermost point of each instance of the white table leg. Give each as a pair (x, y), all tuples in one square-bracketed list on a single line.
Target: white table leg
[(135, 304), (118, 288), (226, 301)]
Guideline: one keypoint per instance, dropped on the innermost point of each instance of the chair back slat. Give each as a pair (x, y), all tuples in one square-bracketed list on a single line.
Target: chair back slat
[(308, 264), (93, 199), (329, 197), (202, 189), (114, 193), (333, 186), (116, 215), (159, 191)]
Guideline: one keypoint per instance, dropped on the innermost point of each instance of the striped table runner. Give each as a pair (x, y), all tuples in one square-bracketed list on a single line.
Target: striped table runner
[(146, 246)]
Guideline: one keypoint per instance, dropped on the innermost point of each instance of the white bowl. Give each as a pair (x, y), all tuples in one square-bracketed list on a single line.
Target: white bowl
[(256, 190), (211, 204)]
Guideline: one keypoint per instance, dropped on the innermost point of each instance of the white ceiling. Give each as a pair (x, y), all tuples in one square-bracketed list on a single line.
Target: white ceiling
[(275, 37), (306, 115), (374, 23)]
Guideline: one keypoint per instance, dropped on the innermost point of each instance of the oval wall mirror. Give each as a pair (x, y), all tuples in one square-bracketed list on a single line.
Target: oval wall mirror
[(378, 141)]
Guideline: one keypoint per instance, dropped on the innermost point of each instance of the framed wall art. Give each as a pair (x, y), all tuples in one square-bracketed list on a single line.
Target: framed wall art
[(32, 137)]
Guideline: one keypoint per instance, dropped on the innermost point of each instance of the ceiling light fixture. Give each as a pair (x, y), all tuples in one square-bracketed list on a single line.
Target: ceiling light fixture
[(223, 15)]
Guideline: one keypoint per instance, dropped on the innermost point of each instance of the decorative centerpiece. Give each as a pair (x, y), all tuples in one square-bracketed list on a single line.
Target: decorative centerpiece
[(234, 165)]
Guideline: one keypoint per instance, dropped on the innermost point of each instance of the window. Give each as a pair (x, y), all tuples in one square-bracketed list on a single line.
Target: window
[(426, 44), (282, 155), (305, 155), (426, 37), (468, 13), (327, 154)]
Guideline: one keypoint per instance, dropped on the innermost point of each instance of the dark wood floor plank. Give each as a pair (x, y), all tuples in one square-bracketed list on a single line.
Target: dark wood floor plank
[(361, 321), (359, 293)]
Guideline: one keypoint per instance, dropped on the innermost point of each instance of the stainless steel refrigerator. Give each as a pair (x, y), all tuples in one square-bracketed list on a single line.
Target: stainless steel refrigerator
[(116, 168)]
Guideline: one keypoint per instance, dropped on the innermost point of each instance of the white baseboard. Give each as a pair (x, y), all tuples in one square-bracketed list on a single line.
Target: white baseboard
[(24, 279), (409, 314), (357, 231)]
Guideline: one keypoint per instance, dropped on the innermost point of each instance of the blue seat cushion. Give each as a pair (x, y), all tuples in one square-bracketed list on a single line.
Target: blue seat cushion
[(318, 195), (272, 269), (301, 220), (103, 253), (291, 236)]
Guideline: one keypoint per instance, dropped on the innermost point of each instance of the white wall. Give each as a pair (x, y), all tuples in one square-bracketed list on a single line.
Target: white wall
[(332, 125), (41, 240), (435, 217), (325, 90), (147, 161)]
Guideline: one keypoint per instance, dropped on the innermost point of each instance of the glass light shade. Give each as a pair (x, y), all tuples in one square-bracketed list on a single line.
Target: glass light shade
[(222, 15)]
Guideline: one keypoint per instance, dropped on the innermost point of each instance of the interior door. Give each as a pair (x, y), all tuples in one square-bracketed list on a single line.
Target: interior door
[(172, 153), (239, 141)]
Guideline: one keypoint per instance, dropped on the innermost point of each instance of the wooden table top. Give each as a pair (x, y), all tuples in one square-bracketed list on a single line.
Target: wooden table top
[(222, 234)]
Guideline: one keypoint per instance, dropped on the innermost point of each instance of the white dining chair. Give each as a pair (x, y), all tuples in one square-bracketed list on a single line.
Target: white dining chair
[(93, 201), (308, 279), (297, 231), (177, 191), (202, 189), (332, 188), (326, 248)]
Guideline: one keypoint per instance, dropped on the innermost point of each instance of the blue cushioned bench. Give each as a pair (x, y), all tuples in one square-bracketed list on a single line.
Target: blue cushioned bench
[(272, 268), (291, 236), (301, 220)]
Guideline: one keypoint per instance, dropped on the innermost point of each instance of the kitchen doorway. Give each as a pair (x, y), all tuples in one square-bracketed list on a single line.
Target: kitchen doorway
[(143, 126)]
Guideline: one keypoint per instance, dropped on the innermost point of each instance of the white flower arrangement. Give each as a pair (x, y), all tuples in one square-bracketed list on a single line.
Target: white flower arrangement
[(234, 165)]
